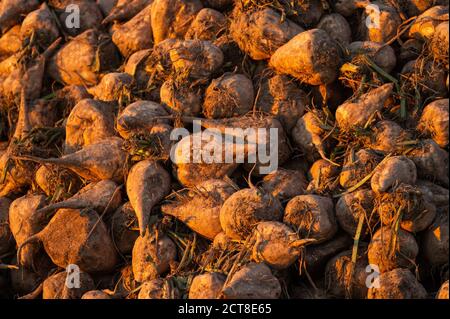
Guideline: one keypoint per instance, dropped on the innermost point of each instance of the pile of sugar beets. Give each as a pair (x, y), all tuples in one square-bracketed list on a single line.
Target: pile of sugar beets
[(96, 201)]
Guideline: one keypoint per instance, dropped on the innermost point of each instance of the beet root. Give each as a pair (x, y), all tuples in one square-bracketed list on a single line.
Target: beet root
[(388, 137), (260, 33), (11, 10), (77, 237), (285, 184), (207, 286), (392, 172), (112, 87), (281, 97), (103, 196), (244, 209), (435, 241), (96, 294), (180, 98), (316, 65), (397, 284), (360, 111), (434, 121), (42, 24), (357, 166), (25, 221), (207, 25), (57, 182), (89, 122), (147, 184), (134, 35), (140, 116), (55, 286), (228, 96), (125, 10), (253, 281), (351, 207), (124, 228), (389, 250), (158, 289), (431, 161), (276, 244), (98, 161), (312, 217), (152, 255), (172, 18), (200, 209), (345, 279), (417, 209), (96, 50)]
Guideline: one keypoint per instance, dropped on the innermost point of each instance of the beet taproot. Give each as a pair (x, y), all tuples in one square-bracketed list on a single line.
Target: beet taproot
[(280, 96), (361, 110), (124, 228), (172, 18), (125, 10), (42, 25), (357, 166), (390, 249), (431, 161), (140, 116), (89, 15), (397, 284), (207, 286), (56, 182), (426, 23), (260, 33), (152, 255), (417, 210), (11, 11), (285, 184), (337, 27), (435, 241), (77, 237), (181, 99), (276, 244), (158, 289), (147, 183), (346, 279), (112, 87), (228, 96), (89, 122), (207, 25), (434, 122), (200, 207), (252, 281), (102, 160), (311, 216), (315, 66), (245, 208), (25, 221), (103, 196), (80, 61), (134, 35), (352, 207), (58, 286), (10, 42), (385, 21), (392, 172)]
